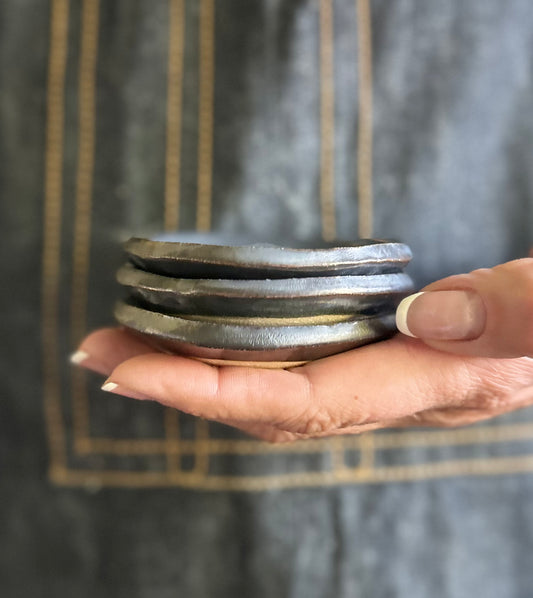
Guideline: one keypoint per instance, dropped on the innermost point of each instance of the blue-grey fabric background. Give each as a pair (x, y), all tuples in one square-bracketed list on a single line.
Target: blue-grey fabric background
[(453, 177)]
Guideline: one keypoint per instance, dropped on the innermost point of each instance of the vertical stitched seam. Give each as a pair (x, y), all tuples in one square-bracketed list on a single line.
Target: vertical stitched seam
[(206, 115), (327, 122), (176, 35), (83, 209), (364, 142), (53, 189)]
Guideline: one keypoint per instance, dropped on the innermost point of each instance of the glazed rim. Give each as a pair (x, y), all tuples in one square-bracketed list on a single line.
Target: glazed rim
[(377, 284), (217, 335), (270, 256)]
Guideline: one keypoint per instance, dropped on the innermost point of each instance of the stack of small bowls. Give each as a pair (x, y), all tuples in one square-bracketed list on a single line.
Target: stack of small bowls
[(266, 305)]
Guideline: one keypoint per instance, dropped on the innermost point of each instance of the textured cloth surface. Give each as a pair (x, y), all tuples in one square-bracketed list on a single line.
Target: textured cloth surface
[(234, 122)]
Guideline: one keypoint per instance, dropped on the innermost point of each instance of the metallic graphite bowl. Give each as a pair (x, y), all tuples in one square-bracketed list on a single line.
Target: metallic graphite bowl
[(254, 339), (212, 259), (282, 297)]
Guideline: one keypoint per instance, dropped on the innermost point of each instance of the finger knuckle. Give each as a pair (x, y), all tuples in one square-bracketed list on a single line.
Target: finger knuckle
[(320, 423), (315, 424)]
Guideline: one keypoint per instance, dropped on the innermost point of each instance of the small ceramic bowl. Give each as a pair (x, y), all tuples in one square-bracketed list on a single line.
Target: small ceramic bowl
[(185, 259), (256, 339), (267, 298)]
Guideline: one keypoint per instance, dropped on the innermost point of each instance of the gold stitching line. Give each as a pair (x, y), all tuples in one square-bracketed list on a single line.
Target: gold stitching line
[(367, 448), (364, 144), (403, 473), (205, 116), (176, 37), (53, 189), (174, 112), (464, 436), (327, 123), (211, 446), (381, 441), (82, 221)]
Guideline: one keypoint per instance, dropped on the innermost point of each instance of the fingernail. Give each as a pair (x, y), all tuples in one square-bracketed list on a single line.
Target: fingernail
[(88, 361), (116, 389), (442, 315), (78, 357)]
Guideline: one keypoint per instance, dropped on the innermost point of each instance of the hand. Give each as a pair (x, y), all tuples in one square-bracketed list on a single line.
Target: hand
[(396, 383)]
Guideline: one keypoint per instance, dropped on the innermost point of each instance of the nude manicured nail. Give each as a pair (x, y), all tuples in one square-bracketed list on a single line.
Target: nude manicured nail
[(79, 357), (89, 362), (125, 392), (442, 315)]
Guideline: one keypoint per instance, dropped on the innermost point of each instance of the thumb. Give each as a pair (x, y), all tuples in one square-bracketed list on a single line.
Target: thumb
[(487, 313)]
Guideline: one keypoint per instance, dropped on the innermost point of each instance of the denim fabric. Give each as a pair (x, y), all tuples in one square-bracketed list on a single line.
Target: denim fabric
[(453, 177)]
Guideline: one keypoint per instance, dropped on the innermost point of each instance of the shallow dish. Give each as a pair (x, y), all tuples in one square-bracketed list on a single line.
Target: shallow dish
[(272, 298), (253, 342), (183, 259)]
